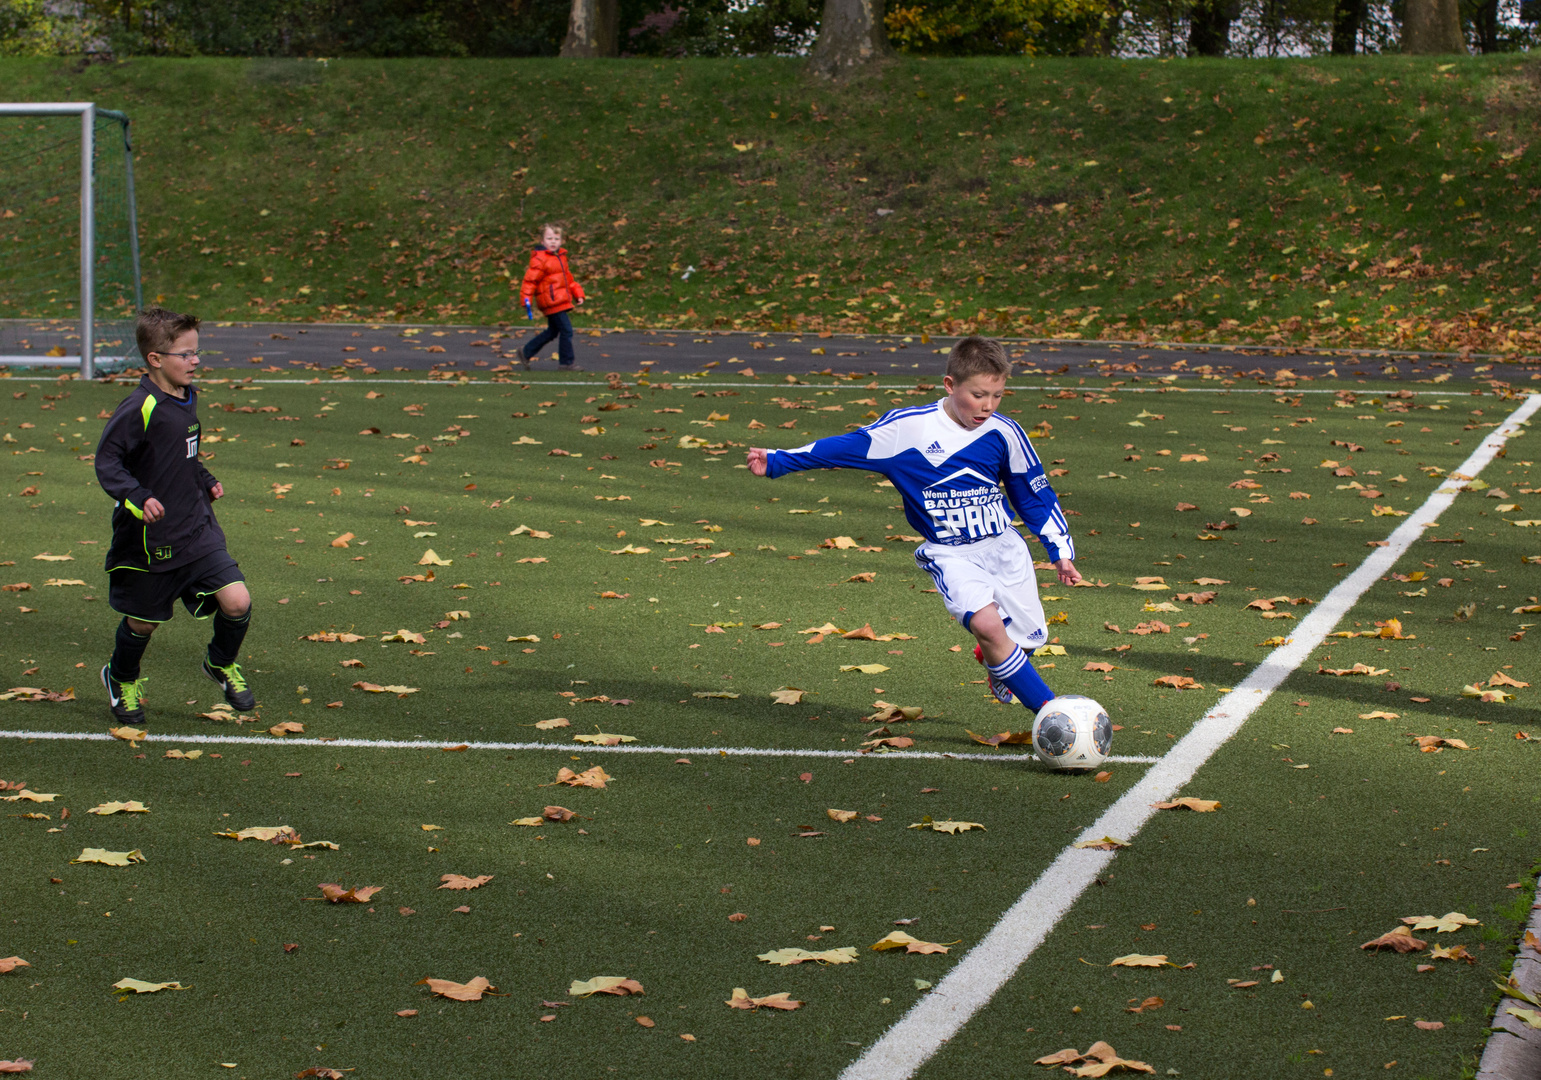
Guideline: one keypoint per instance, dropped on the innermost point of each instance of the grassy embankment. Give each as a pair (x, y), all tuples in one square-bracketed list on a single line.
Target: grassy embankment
[(1381, 201)]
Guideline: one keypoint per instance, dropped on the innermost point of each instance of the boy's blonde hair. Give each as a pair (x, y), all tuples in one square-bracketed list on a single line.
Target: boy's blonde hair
[(554, 226), (977, 356), (158, 329)]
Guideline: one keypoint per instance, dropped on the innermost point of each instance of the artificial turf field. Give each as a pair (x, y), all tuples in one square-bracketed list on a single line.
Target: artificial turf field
[(1323, 841)]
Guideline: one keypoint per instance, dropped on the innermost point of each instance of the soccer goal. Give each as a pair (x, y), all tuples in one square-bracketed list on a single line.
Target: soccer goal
[(69, 245)]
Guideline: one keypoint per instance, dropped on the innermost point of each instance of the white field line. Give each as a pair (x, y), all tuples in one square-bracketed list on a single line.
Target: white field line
[(424, 744), (970, 985)]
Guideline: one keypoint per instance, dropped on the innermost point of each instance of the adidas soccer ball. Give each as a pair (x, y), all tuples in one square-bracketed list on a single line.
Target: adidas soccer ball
[(1072, 732)]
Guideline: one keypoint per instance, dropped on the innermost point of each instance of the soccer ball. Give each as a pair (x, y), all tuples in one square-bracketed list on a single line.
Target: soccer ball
[(1072, 732)]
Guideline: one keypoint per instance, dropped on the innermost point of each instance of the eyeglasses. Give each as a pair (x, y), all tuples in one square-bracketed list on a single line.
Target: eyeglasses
[(182, 355)]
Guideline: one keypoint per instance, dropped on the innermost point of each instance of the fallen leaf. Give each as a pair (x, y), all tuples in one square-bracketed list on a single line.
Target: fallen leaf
[(600, 738), (1378, 714), (132, 736), (742, 1000), (1203, 806), (11, 963), (554, 722), (1428, 1025), (865, 669), (952, 827), (605, 984), (29, 796), (460, 881), (1004, 738), (1107, 843), (376, 688), (266, 833), (1401, 939), (787, 695), (1444, 924), (431, 558), (784, 957), (1178, 682), (138, 986), (471, 991), (109, 858), (593, 778), (843, 815), (1141, 960), (899, 939), (288, 727), (359, 894), (1147, 1005)]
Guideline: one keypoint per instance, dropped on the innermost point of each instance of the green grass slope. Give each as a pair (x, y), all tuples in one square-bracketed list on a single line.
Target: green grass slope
[(1374, 201)]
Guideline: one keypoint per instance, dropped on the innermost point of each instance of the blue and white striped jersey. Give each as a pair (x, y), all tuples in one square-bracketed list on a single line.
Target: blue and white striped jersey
[(950, 479)]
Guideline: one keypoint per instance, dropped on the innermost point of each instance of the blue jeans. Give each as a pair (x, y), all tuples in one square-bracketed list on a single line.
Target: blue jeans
[(559, 326)]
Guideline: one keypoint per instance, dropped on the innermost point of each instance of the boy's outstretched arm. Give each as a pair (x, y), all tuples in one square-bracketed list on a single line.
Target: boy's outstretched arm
[(759, 460)]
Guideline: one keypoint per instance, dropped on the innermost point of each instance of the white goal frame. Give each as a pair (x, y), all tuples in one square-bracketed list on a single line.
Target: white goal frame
[(87, 111)]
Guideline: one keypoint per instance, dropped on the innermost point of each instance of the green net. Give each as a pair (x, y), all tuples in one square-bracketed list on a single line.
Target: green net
[(40, 240)]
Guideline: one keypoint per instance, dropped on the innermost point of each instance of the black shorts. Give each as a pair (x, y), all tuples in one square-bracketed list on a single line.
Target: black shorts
[(150, 597)]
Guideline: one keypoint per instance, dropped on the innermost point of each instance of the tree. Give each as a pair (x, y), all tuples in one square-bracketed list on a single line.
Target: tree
[(1432, 28), (852, 35), (1346, 18), (1209, 27), (593, 29)]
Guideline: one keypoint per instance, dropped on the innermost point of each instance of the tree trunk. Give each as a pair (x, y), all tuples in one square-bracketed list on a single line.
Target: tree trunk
[(1346, 17), (1432, 28), (593, 29), (851, 35), (1209, 28), (1487, 26)]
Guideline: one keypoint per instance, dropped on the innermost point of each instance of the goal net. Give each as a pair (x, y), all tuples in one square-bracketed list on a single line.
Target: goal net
[(68, 242)]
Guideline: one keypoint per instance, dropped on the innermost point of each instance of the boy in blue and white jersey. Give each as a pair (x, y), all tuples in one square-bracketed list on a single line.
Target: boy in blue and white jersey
[(955, 462)]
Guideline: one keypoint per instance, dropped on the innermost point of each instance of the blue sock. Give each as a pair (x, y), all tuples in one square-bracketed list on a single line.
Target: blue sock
[(1023, 679)]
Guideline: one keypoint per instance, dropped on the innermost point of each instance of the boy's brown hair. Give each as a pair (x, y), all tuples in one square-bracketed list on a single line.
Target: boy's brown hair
[(977, 356), (157, 329)]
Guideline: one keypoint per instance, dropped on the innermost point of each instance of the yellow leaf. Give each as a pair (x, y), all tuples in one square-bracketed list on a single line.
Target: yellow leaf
[(785, 957), (899, 939), (288, 727), (629, 549), (604, 984), (865, 669), (742, 1000), (1203, 806), (952, 827), (1141, 960), (601, 739), (431, 558), (406, 636), (1051, 650), (30, 796), (138, 986), (132, 736), (525, 637), (593, 778), (1107, 843), (265, 833), (554, 722), (529, 821), (109, 858), (842, 815), (460, 881), (433, 828), (1444, 924), (787, 695)]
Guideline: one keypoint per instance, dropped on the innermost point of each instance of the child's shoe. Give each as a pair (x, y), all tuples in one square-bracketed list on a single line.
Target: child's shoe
[(126, 699), (233, 683), (1001, 691)]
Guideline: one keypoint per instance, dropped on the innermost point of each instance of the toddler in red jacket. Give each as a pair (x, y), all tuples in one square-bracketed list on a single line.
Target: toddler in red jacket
[(551, 285)]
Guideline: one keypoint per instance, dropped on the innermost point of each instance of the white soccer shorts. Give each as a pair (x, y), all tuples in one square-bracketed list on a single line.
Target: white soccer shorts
[(996, 571)]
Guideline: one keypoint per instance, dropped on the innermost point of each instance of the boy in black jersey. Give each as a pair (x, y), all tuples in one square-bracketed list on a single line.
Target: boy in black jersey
[(165, 542)]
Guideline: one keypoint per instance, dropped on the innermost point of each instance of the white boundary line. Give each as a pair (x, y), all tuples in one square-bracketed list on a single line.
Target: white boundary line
[(970, 985), (424, 744)]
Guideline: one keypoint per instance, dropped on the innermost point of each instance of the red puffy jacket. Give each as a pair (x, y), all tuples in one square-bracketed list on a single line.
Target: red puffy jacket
[(549, 282)]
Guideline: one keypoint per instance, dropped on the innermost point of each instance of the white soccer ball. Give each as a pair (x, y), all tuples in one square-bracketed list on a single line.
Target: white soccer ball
[(1072, 732)]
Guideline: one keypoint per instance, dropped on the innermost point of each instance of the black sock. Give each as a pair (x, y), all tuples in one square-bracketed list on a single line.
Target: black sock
[(127, 652), (225, 646)]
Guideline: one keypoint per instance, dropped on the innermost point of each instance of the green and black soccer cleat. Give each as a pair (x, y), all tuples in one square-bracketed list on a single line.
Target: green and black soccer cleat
[(233, 683), (125, 698)]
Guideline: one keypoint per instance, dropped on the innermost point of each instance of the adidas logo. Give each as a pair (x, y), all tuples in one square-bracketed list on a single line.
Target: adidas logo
[(934, 448)]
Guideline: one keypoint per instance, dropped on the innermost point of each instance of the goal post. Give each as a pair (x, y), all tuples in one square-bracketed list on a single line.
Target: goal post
[(71, 286)]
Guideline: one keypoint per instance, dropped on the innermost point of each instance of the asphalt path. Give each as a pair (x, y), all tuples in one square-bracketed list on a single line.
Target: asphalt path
[(411, 351), (398, 348)]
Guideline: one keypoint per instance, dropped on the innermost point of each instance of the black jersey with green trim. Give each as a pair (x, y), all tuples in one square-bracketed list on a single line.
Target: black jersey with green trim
[(149, 449)]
